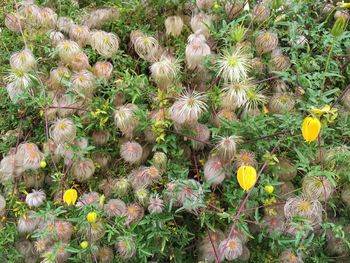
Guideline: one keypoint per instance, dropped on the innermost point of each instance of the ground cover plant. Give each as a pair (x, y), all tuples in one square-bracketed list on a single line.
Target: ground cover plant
[(174, 131)]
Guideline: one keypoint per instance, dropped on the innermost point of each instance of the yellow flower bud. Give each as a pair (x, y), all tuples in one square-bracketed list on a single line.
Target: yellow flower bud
[(70, 196), (269, 189), (42, 164), (91, 217), (84, 244), (311, 128), (246, 176)]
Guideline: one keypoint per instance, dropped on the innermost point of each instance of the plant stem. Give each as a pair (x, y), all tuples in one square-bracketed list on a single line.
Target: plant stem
[(326, 68)]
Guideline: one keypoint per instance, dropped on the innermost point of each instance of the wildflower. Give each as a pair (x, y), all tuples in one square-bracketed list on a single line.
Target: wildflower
[(281, 103), (23, 61), (36, 198), (106, 44), (70, 196), (126, 247), (317, 187), (131, 152), (43, 164), (164, 72), (233, 66), (63, 131), (114, 207), (266, 42), (200, 23), (269, 189), (230, 249), (213, 171), (103, 70), (246, 176), (173, 25), (329, 113), (188, 108), (196, 50), (311, 128), (91, 217), (156, 205), (84, 244)]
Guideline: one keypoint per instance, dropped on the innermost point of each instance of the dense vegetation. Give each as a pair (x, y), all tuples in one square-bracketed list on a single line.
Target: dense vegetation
[(174, 131)]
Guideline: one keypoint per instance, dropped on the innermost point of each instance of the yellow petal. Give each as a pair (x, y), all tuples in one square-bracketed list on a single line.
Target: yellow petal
[(311, 128), (246, 176), (70, 196)]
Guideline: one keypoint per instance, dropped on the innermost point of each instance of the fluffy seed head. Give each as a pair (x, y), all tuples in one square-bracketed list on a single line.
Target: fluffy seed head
[(92, 198), (188, 108), (201, 136), (255, 98), (146, 47), (27, 223), (156, 205), (79, 34), (301, 206), (64, 24), (226, 148), (159, 161), (105, 255), (233, 66), (63, 131), (288, 256), (36, 198), (260, 13), (103, 70), (48, 18), (131, 152), (82, 170), (280, 63), (281, 103), (266, 42), (235, 93), (245, 158), (164, 72), (126, 247), (122, 186), (125, 119), (205, 4), (100, 137), (2, 203), (345, 196), (317, 187), (99, 17), (63, 230), (59, 76), (285, 169), (223, 115), (66, 49), (173, 25), (196, 50), (114, 207), (207, 245), (22, 61), (233, 9), (230, 248), (134, 213), (56, 37), (106, 44), (13, 22), (79, 61), (84, 83), (273, 223), (142, 196), (200, 23), (214, 171)]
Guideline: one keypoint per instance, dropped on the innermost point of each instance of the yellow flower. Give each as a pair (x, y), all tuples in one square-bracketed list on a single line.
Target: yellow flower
[(70, 196), (84, 244), (269, 189), (344, 5), (91, 217), (42, 164), (326, 111), (102, 199), (311, 128), (246, 176)]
